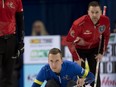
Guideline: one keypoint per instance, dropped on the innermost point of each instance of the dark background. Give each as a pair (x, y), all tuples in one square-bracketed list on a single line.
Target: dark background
[(58, 15)]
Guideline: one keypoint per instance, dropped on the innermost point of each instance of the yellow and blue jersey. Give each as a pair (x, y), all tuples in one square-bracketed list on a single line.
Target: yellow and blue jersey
[(70, 71)]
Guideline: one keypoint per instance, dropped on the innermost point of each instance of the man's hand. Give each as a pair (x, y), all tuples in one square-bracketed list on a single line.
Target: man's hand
[(80, 82), (99, 57), (79, 41), (79, 61)]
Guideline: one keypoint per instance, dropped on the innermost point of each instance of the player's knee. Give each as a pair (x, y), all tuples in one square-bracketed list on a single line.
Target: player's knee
[(71, 83), (52, 83)]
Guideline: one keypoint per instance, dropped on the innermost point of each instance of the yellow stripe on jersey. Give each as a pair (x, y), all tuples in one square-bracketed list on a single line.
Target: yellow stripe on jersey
[(38, 82), (87, 65), (86, 73)]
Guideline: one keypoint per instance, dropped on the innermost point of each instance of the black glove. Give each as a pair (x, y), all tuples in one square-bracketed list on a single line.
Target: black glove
[(20, 49)]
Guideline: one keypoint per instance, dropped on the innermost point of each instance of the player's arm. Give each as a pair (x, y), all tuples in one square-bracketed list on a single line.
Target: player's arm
[(83, 73), (40, 78), (20, 33), (88, 76), (19, 21), (73, 38), (74, 31), (106, 36), (19, 27), (37, 83), (104, 40)]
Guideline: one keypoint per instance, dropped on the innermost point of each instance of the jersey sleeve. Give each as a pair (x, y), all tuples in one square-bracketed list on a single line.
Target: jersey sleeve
[(89, 77), (78, 70), (73, 33), (73, 51), (106, 35), (19, 6), (41, 77)]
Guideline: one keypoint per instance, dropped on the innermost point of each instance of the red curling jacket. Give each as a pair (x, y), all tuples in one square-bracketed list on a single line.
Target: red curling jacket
[(84, 28)]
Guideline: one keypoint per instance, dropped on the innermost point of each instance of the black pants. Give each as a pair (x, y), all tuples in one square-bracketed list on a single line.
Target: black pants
[(53, 83), (90, 55), (16, 72), (7, 51)]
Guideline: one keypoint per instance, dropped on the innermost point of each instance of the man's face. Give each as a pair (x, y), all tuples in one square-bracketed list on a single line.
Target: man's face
[(94, 12), (55, 62)]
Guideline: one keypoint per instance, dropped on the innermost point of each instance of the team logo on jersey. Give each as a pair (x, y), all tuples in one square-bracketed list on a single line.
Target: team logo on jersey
[(72, 33), (102, 28), (10, 5), (66, 77)]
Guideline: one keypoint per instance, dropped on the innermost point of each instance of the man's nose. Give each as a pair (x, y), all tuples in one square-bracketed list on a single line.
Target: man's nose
[(94, 15), (53, 65)]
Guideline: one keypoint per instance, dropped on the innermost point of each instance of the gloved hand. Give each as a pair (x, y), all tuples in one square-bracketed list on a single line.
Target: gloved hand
[(20, 49)]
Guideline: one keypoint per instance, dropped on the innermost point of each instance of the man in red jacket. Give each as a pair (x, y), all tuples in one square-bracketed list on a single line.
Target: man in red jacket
[(89, 36), (11, 16)]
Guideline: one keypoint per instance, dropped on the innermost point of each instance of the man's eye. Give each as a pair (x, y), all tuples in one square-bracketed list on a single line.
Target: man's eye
[(97, 12), (92, 12)]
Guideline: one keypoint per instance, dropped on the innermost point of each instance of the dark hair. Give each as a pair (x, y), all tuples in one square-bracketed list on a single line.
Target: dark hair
[(94, 3), (55, 51)]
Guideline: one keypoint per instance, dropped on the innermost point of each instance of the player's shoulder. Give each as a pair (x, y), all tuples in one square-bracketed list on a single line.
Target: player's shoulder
[(80, 21), (18, 0), (104, 18), (46, 67)]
